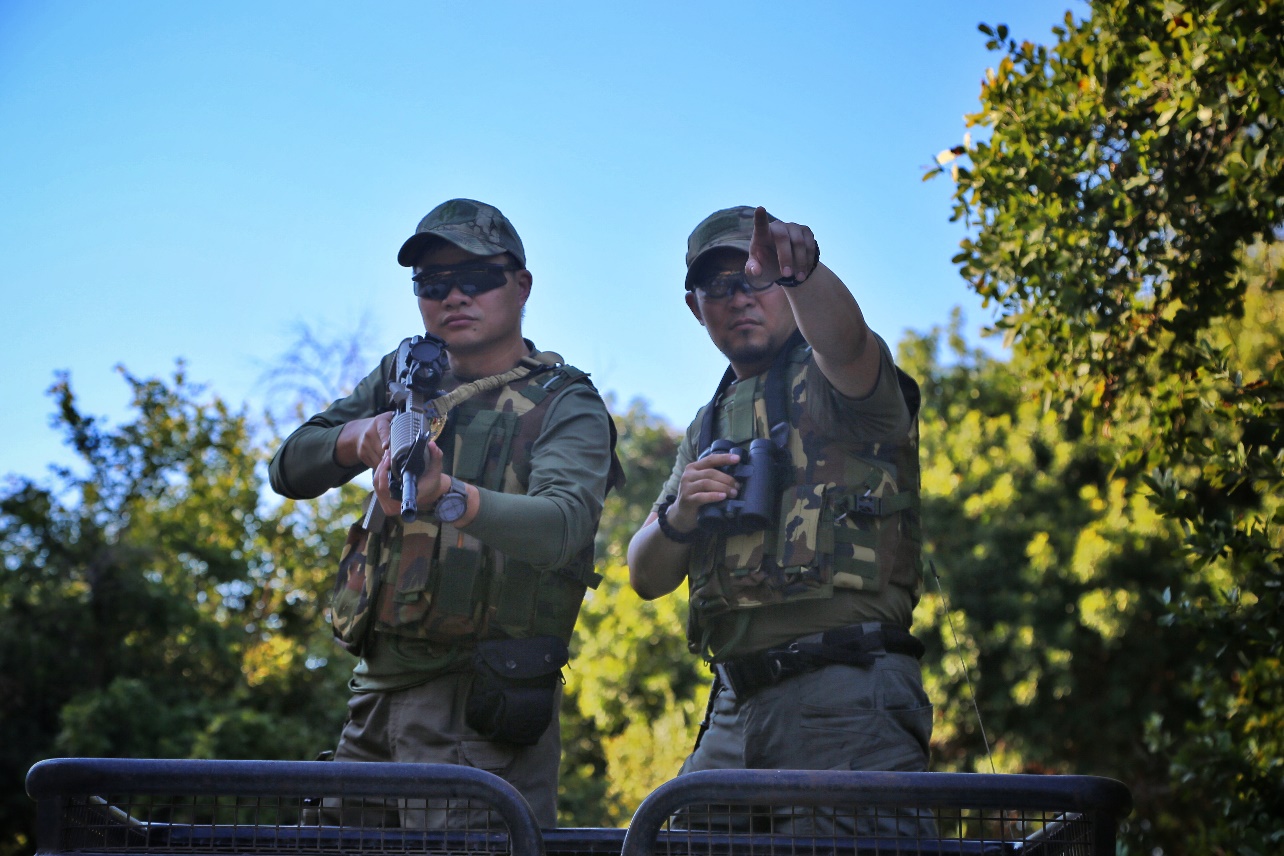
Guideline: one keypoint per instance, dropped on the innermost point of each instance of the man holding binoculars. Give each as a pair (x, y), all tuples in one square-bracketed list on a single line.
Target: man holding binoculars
[(793, 512)]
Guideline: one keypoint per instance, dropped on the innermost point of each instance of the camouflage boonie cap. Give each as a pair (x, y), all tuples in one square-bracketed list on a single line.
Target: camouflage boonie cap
[(473, 226), (730, 227)]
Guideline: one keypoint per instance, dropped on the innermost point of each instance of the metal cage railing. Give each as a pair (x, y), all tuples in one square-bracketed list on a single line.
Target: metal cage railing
[(835, 812), (107, 807)]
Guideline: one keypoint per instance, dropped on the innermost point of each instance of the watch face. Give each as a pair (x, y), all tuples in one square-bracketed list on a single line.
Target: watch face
[(452, 505)]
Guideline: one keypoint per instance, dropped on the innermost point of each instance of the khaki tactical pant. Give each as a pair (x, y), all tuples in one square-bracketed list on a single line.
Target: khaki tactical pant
[(835, 718), (425, 725)]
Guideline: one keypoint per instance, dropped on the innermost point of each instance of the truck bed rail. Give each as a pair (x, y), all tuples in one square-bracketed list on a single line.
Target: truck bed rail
[(107, 807)]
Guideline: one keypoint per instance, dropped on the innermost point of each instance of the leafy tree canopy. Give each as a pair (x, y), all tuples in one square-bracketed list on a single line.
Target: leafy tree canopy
[(1123, 195)]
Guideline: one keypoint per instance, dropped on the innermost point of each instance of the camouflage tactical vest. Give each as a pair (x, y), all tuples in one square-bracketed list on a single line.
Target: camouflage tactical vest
[(428, 580), (848, 516)]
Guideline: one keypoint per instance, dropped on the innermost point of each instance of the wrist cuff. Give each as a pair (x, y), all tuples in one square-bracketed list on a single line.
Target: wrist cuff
[(792, 281), (667, 528)]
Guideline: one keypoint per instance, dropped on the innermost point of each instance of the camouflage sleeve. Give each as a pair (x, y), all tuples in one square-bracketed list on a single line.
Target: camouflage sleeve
[(880, 417), (686, 454), (570, 460), (304, 466)]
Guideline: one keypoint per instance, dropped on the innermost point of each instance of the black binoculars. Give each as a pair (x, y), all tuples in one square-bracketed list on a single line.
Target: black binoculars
[(755, 475)]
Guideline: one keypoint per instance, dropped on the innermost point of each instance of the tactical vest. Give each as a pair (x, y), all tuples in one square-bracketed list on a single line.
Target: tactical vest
[(847, 518), (429, 580)]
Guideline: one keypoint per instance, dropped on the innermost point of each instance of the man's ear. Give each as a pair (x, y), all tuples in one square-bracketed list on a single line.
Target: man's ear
[(524, 282), (694, 305)]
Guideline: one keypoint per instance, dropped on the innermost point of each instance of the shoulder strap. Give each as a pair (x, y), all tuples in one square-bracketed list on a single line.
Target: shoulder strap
[(777, 391), (909, 389), (711, 411), (776, 394), (560, 375), (567, 375)]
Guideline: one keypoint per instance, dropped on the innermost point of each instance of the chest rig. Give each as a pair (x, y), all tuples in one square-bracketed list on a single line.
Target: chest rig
[(428, 580), (847, 516)]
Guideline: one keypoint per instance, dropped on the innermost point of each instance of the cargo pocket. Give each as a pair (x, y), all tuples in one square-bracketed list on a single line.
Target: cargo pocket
[(410, 570), (866, 532), (742, 558), (455, 615), (483, 755), (352, 599), (708, 595), (514, 600), (805, 548)]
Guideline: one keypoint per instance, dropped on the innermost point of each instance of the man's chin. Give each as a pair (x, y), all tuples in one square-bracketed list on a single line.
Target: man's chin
[(746, 352), (459, 342)]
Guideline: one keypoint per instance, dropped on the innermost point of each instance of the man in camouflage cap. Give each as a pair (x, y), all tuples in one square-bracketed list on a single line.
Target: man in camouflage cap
[(792, 512), (461, 616)]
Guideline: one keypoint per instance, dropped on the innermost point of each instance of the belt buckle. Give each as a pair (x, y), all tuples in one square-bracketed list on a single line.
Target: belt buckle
[(745, 678), (868, 504)]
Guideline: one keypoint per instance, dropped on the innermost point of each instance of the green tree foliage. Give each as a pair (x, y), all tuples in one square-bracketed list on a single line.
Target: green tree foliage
[(157, 604), (646, 446), (153, 607), (1120, 213), (1048, 582), (632, 688)]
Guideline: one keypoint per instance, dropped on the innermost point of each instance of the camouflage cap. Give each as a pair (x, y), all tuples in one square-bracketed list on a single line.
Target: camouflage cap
[(473, 226), (730, 227)]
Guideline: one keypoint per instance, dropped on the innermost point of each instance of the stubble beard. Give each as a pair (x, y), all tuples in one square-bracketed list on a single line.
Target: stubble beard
[(749, 353)]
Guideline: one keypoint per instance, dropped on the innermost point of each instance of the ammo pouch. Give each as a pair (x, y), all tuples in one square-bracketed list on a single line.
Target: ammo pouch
[(515, 688)]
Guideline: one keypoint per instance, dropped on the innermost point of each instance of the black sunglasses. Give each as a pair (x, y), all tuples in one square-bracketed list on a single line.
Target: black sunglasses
[(727, 284), (437, 281)]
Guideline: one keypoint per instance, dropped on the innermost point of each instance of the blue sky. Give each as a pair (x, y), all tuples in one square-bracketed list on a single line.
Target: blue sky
[(196, 180)]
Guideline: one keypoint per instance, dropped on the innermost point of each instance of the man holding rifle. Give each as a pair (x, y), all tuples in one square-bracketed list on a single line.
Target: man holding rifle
[(460, 586)]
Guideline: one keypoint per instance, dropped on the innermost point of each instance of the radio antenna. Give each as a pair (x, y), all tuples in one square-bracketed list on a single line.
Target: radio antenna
[(958, 650)]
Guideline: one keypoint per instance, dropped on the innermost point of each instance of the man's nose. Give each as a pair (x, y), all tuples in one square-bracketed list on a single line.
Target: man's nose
[(741, 293), (455, 297)]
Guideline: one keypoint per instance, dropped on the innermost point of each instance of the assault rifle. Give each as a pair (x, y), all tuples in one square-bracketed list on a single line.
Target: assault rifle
[(421, 361)]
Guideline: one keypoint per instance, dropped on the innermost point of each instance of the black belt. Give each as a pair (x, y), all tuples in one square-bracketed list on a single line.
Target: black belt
[(855, 645)]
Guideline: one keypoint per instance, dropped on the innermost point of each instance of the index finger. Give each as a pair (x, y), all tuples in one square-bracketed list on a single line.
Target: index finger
[(383, 426), (382, 473), (434, 457), (714, 461), (759, 242)]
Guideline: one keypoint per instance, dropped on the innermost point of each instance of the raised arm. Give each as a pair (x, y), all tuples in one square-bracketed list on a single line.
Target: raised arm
[(824, 308)]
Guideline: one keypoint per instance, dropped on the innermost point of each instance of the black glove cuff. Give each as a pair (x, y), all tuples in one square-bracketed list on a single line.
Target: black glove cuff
[(792, 281)]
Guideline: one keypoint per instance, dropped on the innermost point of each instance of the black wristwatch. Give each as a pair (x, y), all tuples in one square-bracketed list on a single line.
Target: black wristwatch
[(452, 504), (667, 528)]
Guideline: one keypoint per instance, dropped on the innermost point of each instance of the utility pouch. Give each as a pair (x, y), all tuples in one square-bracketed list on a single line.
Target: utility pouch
[(515, 688), (352, 599)]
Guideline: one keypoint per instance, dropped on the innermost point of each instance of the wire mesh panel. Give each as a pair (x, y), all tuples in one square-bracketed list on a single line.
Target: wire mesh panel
[(215, 807), (92, 806), (805, 813)]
